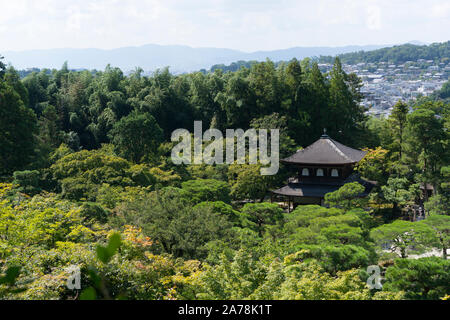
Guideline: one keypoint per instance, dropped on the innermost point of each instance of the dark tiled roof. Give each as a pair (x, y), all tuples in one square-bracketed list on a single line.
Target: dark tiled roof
[(317, 190), (326, 151), (305, 190)]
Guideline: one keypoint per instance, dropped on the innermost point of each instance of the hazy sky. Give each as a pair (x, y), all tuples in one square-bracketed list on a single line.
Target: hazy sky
[(237, 24)]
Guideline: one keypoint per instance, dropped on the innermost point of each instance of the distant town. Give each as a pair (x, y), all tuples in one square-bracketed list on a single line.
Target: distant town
[(384, 83)]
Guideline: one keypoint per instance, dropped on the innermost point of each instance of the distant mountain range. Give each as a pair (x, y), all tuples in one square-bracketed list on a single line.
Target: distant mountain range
[(151, 57)]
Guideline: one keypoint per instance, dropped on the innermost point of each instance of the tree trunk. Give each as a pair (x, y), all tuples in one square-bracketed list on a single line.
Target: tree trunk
[(395, 208), (403, 252), (262, 198), (425, 182)]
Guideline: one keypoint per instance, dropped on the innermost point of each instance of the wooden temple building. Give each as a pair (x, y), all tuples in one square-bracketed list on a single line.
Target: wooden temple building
[(322, 167)]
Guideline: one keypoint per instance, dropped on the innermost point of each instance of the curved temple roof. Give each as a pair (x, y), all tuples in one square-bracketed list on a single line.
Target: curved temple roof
[(319, 190), (326, 151)]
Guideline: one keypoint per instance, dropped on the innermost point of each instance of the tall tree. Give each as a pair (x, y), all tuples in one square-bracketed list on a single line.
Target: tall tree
[(345, 113), (397, 121), (426, 136), (136, 136), (2, 66), (17, 129), (12, 77)]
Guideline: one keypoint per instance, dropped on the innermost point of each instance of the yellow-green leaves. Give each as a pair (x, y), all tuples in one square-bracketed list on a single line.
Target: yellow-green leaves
[(105, 254)]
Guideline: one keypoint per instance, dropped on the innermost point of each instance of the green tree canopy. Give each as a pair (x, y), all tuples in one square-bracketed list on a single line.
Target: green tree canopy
[(17, 129), (440, 225), (136, 136), (177, 227), (403, 237), (426, 278), (82, 173), (200, 190), (346, 196), (257, 216)]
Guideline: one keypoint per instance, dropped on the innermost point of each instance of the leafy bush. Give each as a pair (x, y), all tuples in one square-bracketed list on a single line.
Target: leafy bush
[(82, 173), (425, 278), (206, 190), (27, 181), (177, 227)]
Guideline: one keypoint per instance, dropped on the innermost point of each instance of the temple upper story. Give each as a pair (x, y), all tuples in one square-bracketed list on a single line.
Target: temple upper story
[(326, 151)]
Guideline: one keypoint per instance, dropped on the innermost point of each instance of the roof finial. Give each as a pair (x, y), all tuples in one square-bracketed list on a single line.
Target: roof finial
[(324, 133)]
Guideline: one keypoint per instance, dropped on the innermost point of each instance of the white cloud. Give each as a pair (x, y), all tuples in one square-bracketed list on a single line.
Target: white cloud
[(373, 17), (240, 24), (441, 10)]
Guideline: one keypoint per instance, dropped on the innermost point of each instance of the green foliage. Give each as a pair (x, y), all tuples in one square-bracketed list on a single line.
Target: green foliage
[(346, 196), (334, 258), (345, 115), (17, 128), (2, 67), (310, 282), (82, 173), (45, 246), (246, 182), (427, 141), (275, 121), (443, 93), (374, 165), (440, 225), (104, 254), (317, 225), (34, 225), (437, 204), (398, 122), (234, 66), (86, 109), (55, 130), (27, 181), (270, 278), (398, 54), (10, 276), (200, 190), (258, 216), (223, 209), (204, 171), (425, 278), (177, 227), (379, 134), (403, 237), (93, 211), (399, 191), (8, 285), (136, 136)]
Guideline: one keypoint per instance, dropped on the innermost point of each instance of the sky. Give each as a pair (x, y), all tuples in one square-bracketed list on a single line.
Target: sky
[(247, 25)]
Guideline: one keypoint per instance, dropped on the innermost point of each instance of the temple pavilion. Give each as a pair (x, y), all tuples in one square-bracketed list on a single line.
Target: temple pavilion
[(323, 167)]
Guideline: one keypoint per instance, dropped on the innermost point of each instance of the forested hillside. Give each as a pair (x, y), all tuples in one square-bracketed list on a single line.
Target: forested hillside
[(438, 52), (397, 54), (88, 182)]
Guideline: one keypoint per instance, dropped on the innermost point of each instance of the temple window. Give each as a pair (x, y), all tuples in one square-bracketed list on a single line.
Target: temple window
[(334, 173), (305, 172), (319, 173)]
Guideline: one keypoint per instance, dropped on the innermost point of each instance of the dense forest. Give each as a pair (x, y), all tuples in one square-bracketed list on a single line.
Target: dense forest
[(87, 182)]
